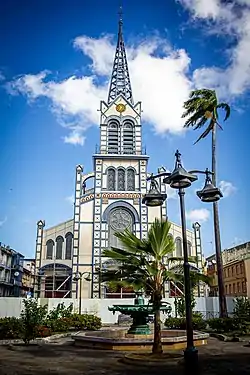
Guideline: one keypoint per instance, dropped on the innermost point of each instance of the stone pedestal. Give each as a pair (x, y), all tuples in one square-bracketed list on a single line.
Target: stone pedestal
[(139, 325)]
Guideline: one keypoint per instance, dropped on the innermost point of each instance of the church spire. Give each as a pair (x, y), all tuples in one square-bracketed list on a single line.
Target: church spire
[(120, 81)]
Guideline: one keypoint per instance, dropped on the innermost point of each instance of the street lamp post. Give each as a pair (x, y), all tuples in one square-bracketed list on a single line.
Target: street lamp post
[(180, 179), (79, 276)]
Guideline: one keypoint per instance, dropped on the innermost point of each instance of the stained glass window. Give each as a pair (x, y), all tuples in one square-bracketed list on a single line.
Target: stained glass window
[(59, 245), (130, 179), (121, 179), (113, 139), (119, 220), (128, 138), (50, 247), (178, 247), (111, 179), (69, 240)]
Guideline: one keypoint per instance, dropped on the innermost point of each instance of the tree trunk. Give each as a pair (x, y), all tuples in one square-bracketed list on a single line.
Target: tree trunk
[(157, 346), (222, 297)]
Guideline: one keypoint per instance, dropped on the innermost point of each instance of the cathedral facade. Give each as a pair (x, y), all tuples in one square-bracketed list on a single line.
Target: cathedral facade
[(107, 200)]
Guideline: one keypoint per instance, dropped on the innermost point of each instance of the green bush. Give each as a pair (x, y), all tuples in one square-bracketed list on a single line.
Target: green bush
[(242, 308), (181, 307), (10, 328), (59, 325), (180, 323), (43, 331), (60, 311), (85, 321), (32, 316), (229, 325), (36, 322)]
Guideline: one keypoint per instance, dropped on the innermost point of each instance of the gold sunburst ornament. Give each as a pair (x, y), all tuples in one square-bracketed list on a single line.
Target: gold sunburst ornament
[(120, 108)]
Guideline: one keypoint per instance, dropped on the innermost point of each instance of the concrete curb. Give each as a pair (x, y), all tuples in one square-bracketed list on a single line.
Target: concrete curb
[(225, 338), (42, 340), (143, 360)]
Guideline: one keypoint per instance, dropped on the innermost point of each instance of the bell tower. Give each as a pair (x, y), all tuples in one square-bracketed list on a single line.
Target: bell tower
[(120, 165), (120, 129)]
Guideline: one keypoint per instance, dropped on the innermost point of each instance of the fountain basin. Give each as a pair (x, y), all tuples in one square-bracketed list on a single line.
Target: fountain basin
[(120, 340)]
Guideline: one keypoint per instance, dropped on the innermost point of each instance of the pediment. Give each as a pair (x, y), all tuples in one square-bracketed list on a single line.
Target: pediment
[(120, 107)]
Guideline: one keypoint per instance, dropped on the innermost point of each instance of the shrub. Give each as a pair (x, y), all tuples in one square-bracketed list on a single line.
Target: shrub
[(242, 308), (43, 331), (85, 321), (180, 323), (180, 305), (10, 328), (32, 316), (59, 325), (226, 325), (60, 311)]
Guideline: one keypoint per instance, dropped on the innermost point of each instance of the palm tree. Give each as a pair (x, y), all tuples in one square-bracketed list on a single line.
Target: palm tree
[(140, 264), (202, 109)]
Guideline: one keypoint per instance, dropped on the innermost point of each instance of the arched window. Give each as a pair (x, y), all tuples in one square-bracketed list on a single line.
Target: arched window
[(121, 179), (50, 247), (130, 179), (111, 180), (119, 220), (59, 245), (113, 139), (128, 138), (69, 241), (189, 249), (178, 247)]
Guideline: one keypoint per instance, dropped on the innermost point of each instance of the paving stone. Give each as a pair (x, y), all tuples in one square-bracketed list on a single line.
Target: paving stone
[(217, 358)]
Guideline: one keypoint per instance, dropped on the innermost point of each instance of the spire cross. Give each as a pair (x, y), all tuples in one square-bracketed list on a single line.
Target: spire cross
[(120, 14)]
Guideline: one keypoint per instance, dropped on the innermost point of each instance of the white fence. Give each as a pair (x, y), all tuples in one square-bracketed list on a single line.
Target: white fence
[(11, 306)]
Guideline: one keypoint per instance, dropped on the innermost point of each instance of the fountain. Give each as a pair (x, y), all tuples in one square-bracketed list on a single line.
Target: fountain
[(138, 337), (139, 312)]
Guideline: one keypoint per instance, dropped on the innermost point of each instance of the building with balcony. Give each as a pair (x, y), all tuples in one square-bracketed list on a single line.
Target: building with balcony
[(28, 277), (5, 271), (236, 271), (11, 270)]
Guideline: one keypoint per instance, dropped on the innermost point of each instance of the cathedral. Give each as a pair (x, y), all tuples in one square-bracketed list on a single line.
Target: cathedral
[(107, 200)]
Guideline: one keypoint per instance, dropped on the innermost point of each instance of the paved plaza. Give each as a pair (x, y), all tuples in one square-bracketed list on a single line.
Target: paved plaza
[(63, 358)]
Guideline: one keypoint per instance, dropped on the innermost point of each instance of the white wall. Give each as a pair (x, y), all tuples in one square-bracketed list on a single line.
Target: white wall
[(11, 306)]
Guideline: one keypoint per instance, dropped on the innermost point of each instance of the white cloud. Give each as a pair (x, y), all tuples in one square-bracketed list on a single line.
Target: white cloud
[(154, 67), (2, 77), (227, 188), (94, 48), (231, 19), (74, 138), (201, 215), (2, 222), (202, 8), (70, 199), (171, 193)]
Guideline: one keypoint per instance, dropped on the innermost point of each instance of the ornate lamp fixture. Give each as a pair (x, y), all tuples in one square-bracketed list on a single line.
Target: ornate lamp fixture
[(154, 197), (209, 193), (179, 178)]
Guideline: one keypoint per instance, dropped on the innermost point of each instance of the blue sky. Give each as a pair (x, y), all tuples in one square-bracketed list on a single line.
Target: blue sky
[(56, 59)]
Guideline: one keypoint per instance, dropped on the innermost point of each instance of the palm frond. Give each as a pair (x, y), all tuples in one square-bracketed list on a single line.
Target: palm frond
[(140, 262), (226, 108), (204, 93), (205, 133), (159, 240)]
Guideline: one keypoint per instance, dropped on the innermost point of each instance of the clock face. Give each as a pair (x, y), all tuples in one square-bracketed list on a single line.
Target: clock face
[(120, 108)]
